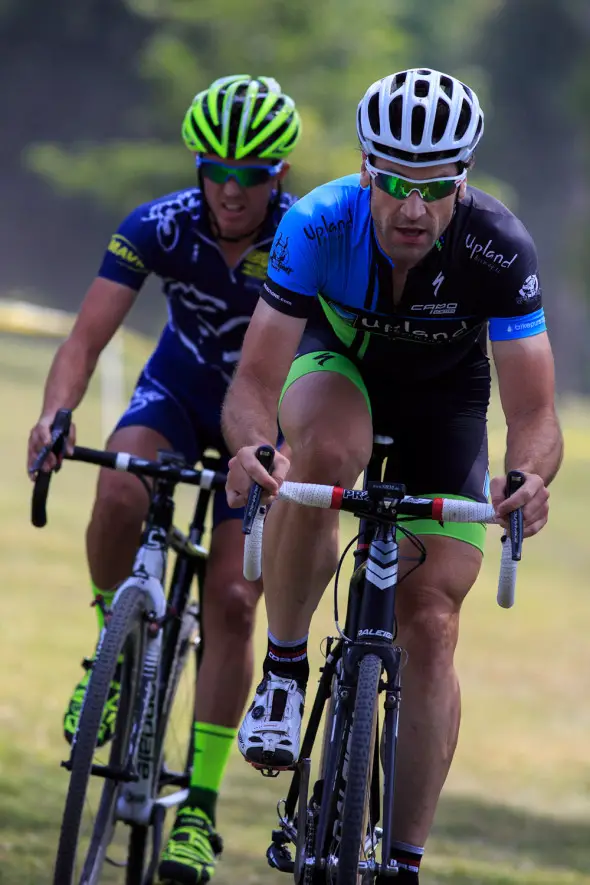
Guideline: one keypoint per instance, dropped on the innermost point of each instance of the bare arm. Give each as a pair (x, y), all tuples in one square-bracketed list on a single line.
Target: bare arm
[(103, 310), (250, 409), (534, 444), (249, 416), (526, 379)]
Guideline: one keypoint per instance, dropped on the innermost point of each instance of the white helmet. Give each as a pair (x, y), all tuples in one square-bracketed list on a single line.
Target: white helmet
[(419, 117)]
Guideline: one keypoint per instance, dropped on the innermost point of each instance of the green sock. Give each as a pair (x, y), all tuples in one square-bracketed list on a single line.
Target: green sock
[(108, 596), (212, 746)]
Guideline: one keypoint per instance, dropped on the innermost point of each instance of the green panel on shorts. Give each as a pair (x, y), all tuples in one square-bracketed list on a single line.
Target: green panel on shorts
[(473, 533), (325, 361)]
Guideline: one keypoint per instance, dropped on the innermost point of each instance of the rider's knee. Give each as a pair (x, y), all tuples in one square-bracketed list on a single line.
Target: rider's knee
[(230, 609), (429, 625), (121, 503), (330, 460)]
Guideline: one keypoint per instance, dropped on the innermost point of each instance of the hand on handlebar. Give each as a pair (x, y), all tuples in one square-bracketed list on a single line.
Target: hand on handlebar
[(40, 437), (532, 496), (245, 469)]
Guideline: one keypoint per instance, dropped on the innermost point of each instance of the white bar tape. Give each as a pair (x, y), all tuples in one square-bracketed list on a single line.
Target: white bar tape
[(507, 581), (207, 477), (307, 493), (467, 511), (122, 461), (253, 548)]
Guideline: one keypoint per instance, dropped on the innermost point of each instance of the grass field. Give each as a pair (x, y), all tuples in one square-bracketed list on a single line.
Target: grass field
[(516, 808)]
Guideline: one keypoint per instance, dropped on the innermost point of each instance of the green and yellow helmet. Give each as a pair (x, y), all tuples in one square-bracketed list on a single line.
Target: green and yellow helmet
[(242, 116)]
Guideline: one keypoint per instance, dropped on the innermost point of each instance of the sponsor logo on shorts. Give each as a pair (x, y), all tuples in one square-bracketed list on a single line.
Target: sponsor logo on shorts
[(126, 253), (143, 397)]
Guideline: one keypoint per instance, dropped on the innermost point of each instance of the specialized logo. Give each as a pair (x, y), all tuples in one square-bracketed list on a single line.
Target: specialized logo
[(437, 282), (486, 255), (126, 253), (328, 228), (279, 257), (322, 358), (529, 289), (255, 264)]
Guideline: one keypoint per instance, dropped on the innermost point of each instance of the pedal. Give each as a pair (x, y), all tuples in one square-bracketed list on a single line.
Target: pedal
[(269, 772)]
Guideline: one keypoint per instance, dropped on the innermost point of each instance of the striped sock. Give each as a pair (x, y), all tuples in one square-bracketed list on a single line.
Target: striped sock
[(287, 659), (106, 597), (408, 859), (212, 746)]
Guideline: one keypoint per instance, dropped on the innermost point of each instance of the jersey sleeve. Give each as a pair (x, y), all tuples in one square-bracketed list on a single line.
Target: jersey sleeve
[(515, 304), (293, 278), (127, 257)]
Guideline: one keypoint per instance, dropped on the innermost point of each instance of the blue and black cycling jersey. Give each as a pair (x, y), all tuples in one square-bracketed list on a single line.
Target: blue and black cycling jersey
[(326, 264), (209, 304)]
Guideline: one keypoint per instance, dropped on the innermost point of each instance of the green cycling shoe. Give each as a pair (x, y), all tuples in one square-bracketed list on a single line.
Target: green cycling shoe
[(109, 715), (193, 849)]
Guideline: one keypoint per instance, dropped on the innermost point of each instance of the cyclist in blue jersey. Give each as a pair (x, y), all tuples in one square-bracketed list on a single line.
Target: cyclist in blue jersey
[(373, 317), (210, 246)]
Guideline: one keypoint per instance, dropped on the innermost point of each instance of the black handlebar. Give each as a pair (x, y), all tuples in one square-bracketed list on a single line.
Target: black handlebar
[(169, 468)]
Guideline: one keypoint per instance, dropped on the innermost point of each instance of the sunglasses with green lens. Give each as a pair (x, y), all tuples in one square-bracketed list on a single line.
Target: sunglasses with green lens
[(400, 188), (244, 176)]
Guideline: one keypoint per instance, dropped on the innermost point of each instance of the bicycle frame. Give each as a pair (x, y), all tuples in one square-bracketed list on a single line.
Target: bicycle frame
[(135, 804), (368, 609)]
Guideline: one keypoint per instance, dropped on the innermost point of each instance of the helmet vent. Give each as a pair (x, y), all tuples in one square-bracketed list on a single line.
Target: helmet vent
[(464, 119), (421, 88), (440, 121), (446, 85), (418, 119), (373, 112), (395, 116)]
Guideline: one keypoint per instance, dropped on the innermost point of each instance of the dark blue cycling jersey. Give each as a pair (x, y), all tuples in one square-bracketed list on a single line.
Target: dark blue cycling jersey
[(180, 391), (327, 264), (209, 304)]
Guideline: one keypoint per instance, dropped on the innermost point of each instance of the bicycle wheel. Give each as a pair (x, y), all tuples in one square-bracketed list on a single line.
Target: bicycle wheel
[(79, 862), (175, 722), (355, 810), (174, 745)]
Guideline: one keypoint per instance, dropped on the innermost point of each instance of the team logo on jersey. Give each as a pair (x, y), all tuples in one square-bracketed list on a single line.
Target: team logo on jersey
[(529, 289), (327, 228), (166, 215), (279, 257), (484, 254), (126, 253), (255, 264)]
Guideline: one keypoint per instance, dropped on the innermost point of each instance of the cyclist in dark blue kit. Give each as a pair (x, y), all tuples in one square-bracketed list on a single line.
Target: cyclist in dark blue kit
[(210, 246), (380, 291)]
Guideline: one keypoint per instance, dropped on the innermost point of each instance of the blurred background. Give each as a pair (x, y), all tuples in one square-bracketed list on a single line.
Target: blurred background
[(94, 95)]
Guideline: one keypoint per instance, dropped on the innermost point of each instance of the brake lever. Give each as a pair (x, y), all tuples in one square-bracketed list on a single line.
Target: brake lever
[(514, 480), (265, 455)]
